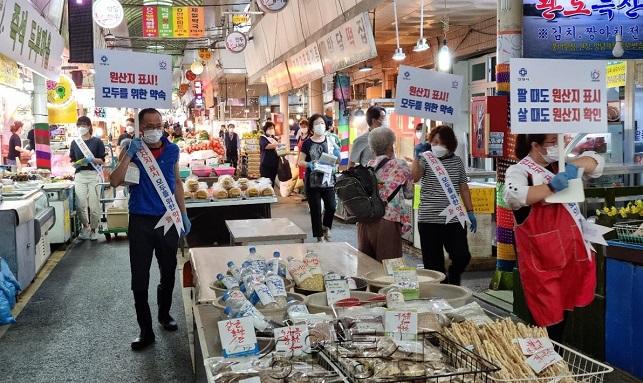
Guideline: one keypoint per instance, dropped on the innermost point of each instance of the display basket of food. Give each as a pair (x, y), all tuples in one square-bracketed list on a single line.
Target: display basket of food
[(432, 358), (202, 171), (222, 171), (378, 279), (630, 231), (500, 341)]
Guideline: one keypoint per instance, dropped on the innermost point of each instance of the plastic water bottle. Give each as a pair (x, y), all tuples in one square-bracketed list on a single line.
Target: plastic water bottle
[(233, 294), (394, 297), (261, 295), (277, 265), (234, 271), (228, 281), (296, 309), (256, 260), (277, 288), (247, 274), (240, 308)]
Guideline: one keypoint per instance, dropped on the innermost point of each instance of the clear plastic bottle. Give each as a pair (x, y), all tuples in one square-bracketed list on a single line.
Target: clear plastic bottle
[(296, 309), (394, 297), (261, 296), (233, 293), (278, 266), (227, 281), (240, 307), (234, 271), (256, 260), (277, 288)]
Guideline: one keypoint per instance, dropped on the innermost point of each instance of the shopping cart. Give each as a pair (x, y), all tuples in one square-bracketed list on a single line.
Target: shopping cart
[(102, 190)]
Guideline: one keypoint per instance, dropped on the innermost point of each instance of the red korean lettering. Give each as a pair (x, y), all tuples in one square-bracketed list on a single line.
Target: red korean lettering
[(579, 8), (591, 95), (549, 8)]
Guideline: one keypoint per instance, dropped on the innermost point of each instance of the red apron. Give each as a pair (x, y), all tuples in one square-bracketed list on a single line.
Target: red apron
[(555, 271)]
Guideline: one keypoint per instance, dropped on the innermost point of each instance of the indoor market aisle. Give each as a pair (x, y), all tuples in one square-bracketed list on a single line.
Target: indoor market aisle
[(78, 326)]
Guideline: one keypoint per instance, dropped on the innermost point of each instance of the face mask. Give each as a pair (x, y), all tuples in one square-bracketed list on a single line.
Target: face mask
[(152, 136), (418, 135), (270, 133), (304, 131), (385, 124), (319, 129), (439, 151), (83, 131), (552, 154), (129, 129)]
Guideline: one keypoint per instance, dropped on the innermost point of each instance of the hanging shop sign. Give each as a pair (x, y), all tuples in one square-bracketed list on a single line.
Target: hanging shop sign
[(197, 88), (29, 39), (347, 45), (241, 23), (581, 29), (305, 66), (62, 107), (9, 73), (107, 13), (558, 96), (189, 75), (616, 71), (205, 54), (278, 79), (173, 22), (428, 94), (272, 6), (132, 79), (236, 42)]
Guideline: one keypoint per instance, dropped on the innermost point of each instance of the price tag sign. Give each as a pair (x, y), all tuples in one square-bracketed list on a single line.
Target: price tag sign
[(293, 339), (401, 322), (238, 337), (390, 265), (530, 346), (543, 359), (407, 279), (336, 290)]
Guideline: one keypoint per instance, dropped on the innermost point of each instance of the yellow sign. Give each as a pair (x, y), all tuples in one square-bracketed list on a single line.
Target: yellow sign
[(63, 114), (9, 74), (483, 199), (181, 21), (616, 71), (240, 19)]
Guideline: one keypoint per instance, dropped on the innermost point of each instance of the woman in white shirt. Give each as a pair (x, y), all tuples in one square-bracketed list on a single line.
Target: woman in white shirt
[(557, 267)]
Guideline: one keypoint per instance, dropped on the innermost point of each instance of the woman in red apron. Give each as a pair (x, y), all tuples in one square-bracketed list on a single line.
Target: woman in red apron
[(557, 267)]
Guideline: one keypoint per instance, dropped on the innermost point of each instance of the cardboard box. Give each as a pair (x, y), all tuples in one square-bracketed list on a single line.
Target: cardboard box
[(117, 218)]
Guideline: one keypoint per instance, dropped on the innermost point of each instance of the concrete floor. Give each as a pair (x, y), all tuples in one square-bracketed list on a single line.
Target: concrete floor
[(79, 324)]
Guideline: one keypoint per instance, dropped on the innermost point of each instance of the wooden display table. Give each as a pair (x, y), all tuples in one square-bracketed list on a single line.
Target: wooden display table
[(264, 231)]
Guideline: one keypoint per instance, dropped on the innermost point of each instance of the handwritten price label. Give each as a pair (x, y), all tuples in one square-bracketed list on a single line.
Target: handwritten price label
[(238, 337), (543, 359), (530, 346), (293, 340), (401, 322), (392, 264), (336, 290)]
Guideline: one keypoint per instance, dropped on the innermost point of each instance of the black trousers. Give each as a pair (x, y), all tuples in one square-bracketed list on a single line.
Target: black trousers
[(144, 241), (268, 172), (315, 196), (434, 238), (233, 161)]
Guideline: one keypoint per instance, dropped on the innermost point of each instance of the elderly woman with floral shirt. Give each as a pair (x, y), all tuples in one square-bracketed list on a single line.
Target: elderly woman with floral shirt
[(383, 239)]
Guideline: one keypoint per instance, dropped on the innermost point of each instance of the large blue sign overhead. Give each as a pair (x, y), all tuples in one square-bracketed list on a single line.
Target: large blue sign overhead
[(582, 29)]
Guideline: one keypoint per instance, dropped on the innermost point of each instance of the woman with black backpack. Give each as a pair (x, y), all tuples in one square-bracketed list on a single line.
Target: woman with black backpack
[(319, 155), (382, 239)]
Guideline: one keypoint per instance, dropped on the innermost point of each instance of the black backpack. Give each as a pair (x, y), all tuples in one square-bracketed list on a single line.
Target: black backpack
[(357, 188)]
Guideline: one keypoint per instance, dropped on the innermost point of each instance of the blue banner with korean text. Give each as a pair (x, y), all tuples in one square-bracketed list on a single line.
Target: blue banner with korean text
[(582, 29)]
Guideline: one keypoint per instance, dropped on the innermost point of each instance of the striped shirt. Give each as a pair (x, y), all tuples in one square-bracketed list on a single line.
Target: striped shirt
[(433, 200)]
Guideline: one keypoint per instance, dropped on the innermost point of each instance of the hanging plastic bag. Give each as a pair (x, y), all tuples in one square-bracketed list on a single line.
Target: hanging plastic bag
[(9, 282)]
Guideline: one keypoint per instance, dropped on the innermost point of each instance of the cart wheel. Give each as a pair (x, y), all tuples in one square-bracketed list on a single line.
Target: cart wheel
[(108, 236)]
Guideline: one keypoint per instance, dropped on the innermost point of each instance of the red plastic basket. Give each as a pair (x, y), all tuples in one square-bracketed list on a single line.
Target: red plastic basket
[(224, 171)]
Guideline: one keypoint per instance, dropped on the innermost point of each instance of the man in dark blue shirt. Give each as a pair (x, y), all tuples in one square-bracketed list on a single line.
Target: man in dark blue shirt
[(146, 208)]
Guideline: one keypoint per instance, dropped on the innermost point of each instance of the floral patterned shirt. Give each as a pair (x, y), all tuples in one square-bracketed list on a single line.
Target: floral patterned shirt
[(393, 174)]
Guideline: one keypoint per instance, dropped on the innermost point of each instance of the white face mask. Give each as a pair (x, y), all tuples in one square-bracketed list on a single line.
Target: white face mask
[(552, 154), (418, 135), (439, 150), (152, 136), (129, 129), (385, 123), (83, 131), (319, 129)]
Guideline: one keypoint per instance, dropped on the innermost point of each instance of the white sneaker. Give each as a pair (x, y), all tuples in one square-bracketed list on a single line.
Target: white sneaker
[(85, 234), (94, 236)]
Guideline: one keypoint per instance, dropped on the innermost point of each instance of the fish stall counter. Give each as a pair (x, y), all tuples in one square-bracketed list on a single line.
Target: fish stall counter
[(25, 220)]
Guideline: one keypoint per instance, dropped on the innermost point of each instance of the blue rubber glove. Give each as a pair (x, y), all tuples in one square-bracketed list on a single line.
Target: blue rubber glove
[(187, 225), (336, 151), (560, 182), (572, 171), (310, 165), (134, 146), (474, 222), (89, 159)]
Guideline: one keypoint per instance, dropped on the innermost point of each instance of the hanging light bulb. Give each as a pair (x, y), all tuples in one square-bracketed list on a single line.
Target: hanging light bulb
[(366, 68), (421, 44), (618, 50), (444, 57), (399, 52), (196, 67)]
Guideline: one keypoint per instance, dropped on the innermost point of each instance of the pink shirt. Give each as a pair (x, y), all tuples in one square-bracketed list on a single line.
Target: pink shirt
[(391, 176)]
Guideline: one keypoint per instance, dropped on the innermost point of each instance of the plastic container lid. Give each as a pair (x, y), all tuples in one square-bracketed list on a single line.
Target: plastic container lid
[(227, 310), (230, 264), (220, 276), (252, 249), (276, 254)]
